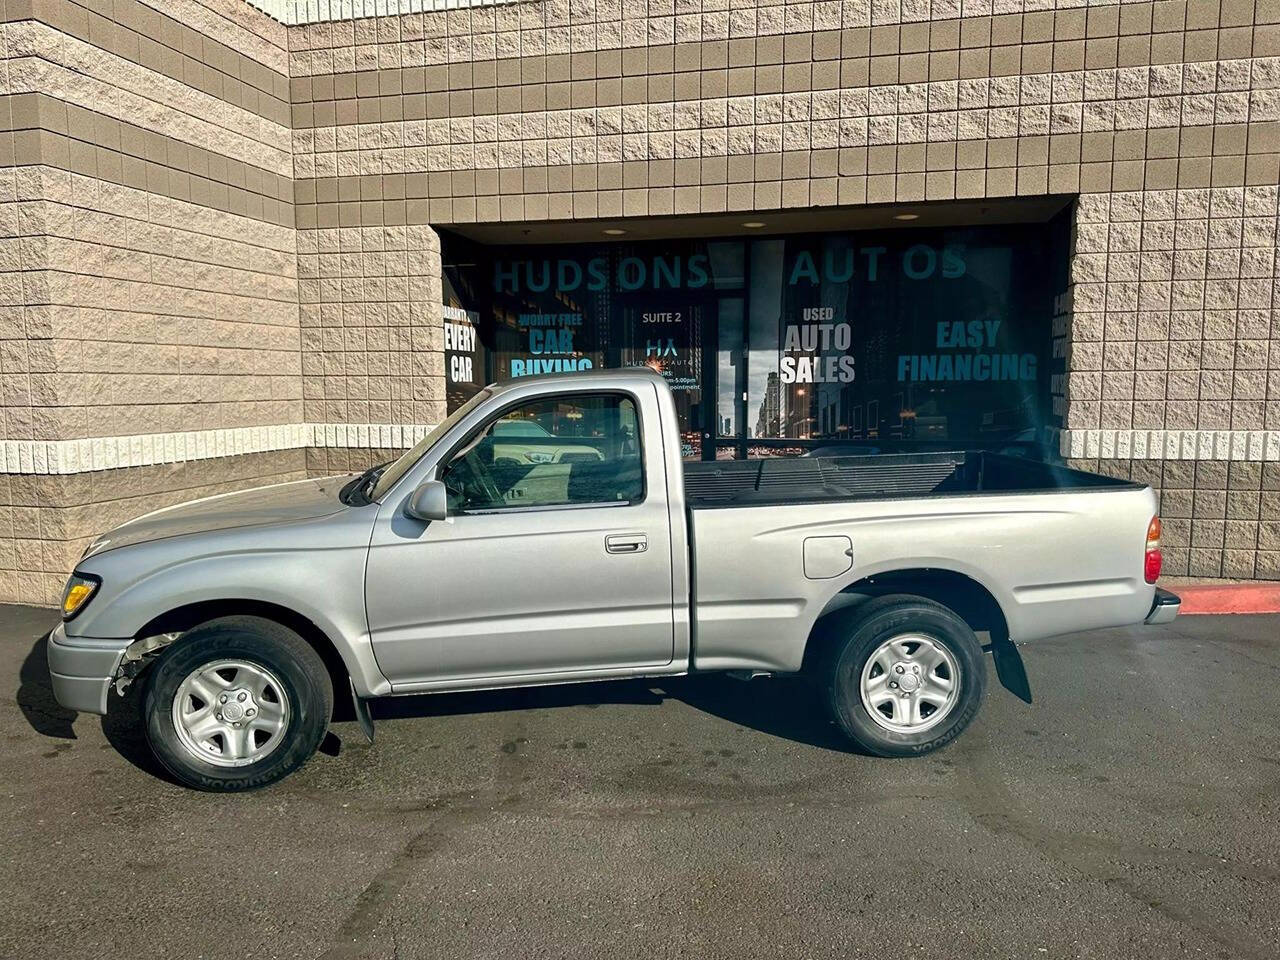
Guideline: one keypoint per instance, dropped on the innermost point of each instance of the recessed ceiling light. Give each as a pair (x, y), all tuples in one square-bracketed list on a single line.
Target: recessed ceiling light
[(614, 231), (906, 216), (754, 224)]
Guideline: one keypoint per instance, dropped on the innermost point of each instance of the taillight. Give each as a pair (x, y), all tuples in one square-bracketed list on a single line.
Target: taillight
[(1152, 560)]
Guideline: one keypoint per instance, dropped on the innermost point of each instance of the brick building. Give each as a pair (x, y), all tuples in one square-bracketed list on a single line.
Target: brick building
[(244, 244)]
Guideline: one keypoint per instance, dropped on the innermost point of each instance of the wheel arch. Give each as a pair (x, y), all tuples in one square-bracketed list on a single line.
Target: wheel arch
[(183, 618), (967, 597)]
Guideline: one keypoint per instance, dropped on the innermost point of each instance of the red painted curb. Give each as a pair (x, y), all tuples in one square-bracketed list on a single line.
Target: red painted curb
[(1229, 598)]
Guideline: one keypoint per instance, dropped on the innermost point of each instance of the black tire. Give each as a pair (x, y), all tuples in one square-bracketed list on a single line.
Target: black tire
[(879, 620), (257, 641)]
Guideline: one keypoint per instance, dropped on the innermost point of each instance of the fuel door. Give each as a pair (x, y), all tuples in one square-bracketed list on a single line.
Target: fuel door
[(827, 557)]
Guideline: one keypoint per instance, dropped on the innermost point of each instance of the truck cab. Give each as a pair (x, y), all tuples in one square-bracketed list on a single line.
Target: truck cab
[(568, 567)]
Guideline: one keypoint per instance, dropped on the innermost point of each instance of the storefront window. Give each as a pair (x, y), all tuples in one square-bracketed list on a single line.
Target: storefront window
[(779, 344), (910, 336)]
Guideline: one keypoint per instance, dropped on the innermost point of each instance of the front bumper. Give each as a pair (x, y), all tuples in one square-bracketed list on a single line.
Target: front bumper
[(1164, 607), (81, 669)]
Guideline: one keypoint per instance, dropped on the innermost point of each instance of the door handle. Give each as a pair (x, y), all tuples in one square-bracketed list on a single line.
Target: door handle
[(626, 543)]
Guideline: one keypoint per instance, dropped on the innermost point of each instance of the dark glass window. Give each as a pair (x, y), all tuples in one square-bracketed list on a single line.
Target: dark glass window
[(909, 336), (778, 344)]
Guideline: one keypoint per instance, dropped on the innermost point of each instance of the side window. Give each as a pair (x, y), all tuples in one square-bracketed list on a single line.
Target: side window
[(551, 452)]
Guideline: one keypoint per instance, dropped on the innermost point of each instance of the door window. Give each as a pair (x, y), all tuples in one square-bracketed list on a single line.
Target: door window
[(550, 452)]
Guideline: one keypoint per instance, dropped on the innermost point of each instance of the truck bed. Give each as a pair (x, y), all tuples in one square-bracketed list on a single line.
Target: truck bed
[(739, 483)]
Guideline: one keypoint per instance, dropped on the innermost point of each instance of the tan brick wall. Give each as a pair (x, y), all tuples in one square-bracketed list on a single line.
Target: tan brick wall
[(522, 112), (326, 462), (152, 314), (227, 115), (47, 521), (148, 280), (155, 166), (372, 335), (21, 257), (1174, 302)]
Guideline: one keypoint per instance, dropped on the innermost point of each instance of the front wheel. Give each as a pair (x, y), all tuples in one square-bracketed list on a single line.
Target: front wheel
[(907, 679), (237, 703)]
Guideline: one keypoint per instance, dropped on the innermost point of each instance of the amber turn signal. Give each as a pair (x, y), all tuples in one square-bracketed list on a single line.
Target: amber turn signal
[(77, 593)]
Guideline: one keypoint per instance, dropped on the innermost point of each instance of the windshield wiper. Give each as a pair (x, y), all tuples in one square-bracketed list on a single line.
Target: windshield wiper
[(356, 492)]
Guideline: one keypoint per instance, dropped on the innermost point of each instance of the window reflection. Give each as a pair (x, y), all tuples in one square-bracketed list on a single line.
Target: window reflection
[(775, 344)]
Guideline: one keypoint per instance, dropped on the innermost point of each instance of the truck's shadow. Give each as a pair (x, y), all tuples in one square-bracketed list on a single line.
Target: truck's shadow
[(122, 726), (785, 708), (35, 695), (501, 701)]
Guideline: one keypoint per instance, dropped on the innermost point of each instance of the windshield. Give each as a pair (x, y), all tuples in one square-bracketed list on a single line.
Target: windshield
[(398, 469)]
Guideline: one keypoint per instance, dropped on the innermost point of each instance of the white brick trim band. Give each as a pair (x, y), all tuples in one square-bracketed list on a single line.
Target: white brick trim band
[(294, 12), (1171, 444), (64, 457)]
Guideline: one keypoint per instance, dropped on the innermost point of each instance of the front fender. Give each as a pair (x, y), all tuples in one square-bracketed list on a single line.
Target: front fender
[(324, 585)]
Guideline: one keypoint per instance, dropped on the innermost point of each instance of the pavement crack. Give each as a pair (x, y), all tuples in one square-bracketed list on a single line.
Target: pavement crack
[(376, 899)]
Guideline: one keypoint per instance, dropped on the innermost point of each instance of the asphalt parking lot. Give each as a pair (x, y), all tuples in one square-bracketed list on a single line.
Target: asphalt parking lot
[(1132, 810)]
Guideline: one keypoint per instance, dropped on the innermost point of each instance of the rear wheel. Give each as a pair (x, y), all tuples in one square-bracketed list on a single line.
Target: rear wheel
[(907, 678), (236, 704)]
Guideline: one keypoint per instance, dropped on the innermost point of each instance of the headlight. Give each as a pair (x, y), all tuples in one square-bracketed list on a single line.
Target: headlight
[(79, 589)]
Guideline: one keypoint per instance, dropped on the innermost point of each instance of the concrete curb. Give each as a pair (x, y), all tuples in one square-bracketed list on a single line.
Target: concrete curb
[(1200, 598)]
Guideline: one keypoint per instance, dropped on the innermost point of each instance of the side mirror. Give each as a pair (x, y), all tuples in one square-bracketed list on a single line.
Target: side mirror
[(429, 502)]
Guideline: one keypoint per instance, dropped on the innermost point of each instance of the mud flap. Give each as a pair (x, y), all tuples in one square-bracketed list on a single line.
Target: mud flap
[(363, 716), (1010, 669)]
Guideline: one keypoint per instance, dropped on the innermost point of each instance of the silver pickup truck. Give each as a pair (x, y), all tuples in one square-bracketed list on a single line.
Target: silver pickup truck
[(548, 532)]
